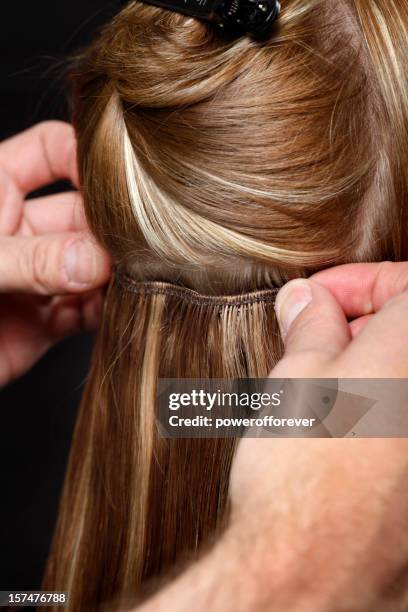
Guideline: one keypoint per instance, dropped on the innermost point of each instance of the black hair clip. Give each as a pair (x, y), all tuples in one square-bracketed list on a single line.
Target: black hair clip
[(235, 16)]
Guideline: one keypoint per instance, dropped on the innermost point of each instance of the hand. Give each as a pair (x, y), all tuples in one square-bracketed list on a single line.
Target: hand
[(50, 267), (317, 525), (324, 522)]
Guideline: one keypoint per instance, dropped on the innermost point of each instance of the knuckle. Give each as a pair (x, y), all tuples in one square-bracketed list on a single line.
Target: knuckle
[(384, 268), (402, 281), (391, 278), (33, 265), (398, 302), (39, 265)]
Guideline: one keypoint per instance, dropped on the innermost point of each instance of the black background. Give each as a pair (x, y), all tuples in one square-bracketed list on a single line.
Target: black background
[(38, 412)]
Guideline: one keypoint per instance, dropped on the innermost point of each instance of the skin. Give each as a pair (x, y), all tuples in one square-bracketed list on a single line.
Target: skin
[(316, 525), (41, 299)]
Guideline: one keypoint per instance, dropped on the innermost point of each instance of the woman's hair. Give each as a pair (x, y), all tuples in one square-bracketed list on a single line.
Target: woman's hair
[(227, 167)]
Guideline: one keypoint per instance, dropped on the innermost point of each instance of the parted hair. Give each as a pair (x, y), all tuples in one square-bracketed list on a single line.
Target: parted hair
[(225, 166)]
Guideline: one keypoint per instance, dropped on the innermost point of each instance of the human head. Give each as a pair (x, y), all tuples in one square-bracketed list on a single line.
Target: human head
[(238, 160), (217, 166)]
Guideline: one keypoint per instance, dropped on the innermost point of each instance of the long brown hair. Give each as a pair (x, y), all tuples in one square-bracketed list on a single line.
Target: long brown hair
[(227, 167)]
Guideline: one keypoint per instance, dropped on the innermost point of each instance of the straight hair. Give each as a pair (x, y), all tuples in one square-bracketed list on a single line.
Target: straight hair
[(224, 167)]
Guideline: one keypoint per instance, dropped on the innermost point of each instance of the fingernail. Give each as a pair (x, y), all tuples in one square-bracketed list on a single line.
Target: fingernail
[(291, 300), (80, 263)]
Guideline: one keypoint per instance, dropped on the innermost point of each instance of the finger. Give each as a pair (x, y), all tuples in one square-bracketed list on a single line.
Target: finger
[(311, 321), (54, 214), (40, 155), (11, 204), (25, 342), (52, 264), (22, 356), (362, 289), (68, 315), (358, 324), (381, 348)]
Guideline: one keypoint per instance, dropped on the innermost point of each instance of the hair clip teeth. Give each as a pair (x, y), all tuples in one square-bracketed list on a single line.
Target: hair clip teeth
[(238, 17)]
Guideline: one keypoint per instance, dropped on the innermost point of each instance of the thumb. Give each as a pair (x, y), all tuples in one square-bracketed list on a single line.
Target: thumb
[(52, 264), (311, 321)]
